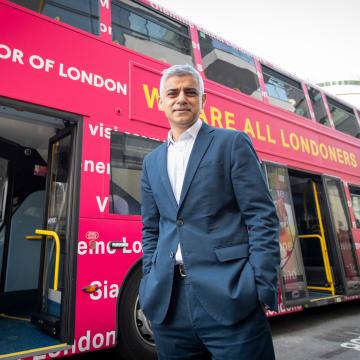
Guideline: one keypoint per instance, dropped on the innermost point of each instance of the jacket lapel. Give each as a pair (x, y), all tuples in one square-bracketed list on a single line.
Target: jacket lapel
[(201, 144), (162, 163)]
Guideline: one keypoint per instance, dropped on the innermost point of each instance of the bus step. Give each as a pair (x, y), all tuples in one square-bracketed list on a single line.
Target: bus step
[(46, 322)]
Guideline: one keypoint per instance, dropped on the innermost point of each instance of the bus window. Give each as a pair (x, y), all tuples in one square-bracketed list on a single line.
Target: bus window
[(229, 66), (126, 156), (3, 188), (3, 195), (344, 118), (338, 211), (285, 92), (355, 201), (318, 106), (83, 14), (144, 30)]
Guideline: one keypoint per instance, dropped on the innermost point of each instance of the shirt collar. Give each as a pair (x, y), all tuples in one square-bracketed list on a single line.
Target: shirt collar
[(192, 131)]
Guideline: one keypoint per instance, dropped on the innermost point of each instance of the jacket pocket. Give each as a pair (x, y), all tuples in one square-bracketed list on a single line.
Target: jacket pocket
[(232, 252)]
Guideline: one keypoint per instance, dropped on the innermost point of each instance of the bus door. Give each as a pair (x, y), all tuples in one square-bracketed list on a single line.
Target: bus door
[(314, 236), (343, 243), (55, 235), (293, 281)]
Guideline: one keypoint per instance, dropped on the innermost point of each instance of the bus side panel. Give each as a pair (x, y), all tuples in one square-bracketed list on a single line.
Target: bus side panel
[(100, 265)]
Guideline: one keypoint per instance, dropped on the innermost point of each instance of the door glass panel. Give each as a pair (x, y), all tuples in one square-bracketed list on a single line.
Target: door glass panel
[(293, 279), (56, 221), (355, 201), (3, 193), (342, 231)]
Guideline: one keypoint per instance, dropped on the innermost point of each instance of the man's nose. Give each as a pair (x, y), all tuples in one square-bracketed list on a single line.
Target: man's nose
[(182, 97)]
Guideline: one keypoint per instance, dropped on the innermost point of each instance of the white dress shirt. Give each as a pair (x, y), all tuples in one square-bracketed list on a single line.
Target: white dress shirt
[(178, 155)]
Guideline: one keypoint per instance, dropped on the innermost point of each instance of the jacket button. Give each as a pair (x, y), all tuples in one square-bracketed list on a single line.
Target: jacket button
[(179, 222)]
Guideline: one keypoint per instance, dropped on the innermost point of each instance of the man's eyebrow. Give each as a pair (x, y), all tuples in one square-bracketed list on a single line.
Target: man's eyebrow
[(186, 89)]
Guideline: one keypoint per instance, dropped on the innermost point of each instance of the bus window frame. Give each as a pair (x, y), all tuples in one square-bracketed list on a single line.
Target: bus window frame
[(294, 82), (150, 9), (307, 87), (195, 38), (343, 107)]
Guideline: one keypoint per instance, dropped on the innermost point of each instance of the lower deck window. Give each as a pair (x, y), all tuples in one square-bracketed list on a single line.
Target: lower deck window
[(127, 153)]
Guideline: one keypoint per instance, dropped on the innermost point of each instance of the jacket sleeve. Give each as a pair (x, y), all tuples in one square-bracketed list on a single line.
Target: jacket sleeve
[(259, 215), (150, 221)]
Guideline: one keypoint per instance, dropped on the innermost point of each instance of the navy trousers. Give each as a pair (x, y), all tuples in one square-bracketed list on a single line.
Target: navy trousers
[(189, 332)]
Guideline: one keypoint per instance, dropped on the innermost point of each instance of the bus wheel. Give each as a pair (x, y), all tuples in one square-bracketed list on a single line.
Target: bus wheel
[(135, 340)]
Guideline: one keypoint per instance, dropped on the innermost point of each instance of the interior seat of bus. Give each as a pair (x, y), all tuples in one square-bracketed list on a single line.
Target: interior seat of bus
[(24, 147)]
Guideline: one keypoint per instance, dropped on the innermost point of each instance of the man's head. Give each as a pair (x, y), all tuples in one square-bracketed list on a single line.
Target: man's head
[(181, 96)]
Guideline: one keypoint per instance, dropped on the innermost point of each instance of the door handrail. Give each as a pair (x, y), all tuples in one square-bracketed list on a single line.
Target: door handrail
[(56, 238), (323, 245), (328, 273)]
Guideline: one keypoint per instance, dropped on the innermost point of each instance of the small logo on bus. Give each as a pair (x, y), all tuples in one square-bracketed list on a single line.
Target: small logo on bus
[(92, 235)]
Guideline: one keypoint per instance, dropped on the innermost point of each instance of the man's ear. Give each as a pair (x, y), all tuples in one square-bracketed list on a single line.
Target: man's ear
[(203, 101), (160, 103)]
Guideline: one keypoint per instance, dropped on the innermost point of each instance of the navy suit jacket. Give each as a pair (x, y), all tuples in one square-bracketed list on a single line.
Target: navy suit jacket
[(225, 222)]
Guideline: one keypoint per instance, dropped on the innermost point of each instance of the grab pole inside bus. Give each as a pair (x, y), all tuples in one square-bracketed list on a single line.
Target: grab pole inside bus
[(323, 246)]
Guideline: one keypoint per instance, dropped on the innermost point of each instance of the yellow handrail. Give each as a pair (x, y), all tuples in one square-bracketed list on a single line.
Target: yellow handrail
[(33, 237), (55, 236)]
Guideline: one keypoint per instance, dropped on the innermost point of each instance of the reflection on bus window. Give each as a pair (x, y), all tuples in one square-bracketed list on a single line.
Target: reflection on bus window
[(146, 31), (355, 202), (318, 106), (342, 228), (344, 118), (285, 92), (83, 14), (3, 188), (3, 193), (292, 273), (229, 66), (127, 153)]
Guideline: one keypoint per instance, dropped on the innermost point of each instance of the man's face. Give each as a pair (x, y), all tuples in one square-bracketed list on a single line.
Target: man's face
[(181, 101)]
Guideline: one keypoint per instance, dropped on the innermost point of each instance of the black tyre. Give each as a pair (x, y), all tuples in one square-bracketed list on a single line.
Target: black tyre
[(135, 340)]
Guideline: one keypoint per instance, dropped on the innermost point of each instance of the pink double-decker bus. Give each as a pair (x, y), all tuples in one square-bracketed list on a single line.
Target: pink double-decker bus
[(78, 113)]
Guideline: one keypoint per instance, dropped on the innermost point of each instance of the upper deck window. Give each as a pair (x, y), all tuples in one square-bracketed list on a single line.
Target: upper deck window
[(83, 14), (144, 30), (285, 92), (344, 118), (127, 153), (318, 106), (229, 66)]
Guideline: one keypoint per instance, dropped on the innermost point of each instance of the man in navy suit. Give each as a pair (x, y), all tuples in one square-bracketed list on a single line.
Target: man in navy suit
[(210, 235)]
